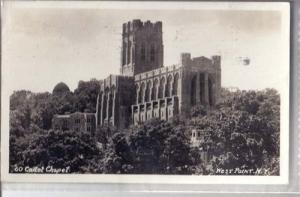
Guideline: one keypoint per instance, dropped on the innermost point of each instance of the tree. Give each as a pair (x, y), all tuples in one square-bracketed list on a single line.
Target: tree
[(74, 150), (42, 110), (152, 148), (18, 98), (243, 131), (198, 110), (86, 95)]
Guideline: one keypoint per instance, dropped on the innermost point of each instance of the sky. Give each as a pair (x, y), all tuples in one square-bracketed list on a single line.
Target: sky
[(43, 46)]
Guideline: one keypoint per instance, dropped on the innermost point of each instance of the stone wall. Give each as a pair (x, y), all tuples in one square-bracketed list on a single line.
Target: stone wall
[(84, 122), (114, 101), (157, 94), (201, 81), (145, 89), (142, 47), (199, 137), (168, 91)]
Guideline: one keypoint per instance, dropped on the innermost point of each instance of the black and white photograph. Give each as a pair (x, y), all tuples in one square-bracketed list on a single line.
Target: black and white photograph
[(159, 89)]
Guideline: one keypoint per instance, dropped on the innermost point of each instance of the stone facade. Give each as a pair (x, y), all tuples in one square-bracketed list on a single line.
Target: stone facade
[(145, 89), (77, 121), (148, 88), (114, 101), (168, 91), (142, 47)]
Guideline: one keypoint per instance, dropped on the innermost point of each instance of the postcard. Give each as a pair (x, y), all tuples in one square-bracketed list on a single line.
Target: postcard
[(145, 92)]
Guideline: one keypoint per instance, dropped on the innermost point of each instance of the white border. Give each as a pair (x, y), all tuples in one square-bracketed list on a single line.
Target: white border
[(163, 179)]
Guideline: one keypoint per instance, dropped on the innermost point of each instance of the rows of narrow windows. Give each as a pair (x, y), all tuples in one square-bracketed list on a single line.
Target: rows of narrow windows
[(89, 120), (202, 95), (106, 107), (128, 52), (77, 120), (143, 53), (159, 89), (196, 134), (74, 123)]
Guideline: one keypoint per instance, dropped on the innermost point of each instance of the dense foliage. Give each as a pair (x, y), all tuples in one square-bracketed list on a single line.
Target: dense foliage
[(29, 108), (31, 115), (69, 150), (155, 147), (241, 132)]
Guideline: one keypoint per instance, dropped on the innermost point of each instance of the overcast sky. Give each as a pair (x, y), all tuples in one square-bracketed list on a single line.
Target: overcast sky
[(44, 46)]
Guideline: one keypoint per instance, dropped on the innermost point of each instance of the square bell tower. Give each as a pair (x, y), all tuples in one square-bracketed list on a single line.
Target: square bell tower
[(142, 47)]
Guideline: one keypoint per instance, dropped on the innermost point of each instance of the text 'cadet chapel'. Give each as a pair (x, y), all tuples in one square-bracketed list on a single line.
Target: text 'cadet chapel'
[(145, 88)]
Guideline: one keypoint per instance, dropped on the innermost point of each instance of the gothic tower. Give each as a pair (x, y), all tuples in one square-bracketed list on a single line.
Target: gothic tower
[(142, 47)]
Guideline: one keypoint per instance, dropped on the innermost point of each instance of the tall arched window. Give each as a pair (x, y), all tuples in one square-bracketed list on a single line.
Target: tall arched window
[(193, 90), (124, 53), (105, 103), (137, 88), (155, 89), (129, 52), (152, 53), (161, 88), (133, 54), (148, 92), (99, 101), (210, 91), (110, 104), (142, 93), (168, 91), (175, 84), (202, 88), (143, 52)]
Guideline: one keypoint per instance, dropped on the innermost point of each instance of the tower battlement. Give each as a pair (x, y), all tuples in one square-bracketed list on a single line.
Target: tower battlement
[(145, 89), (142, 47), (138, 25)]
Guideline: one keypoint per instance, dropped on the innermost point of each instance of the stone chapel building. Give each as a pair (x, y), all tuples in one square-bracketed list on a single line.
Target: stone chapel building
[(147, 89)]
